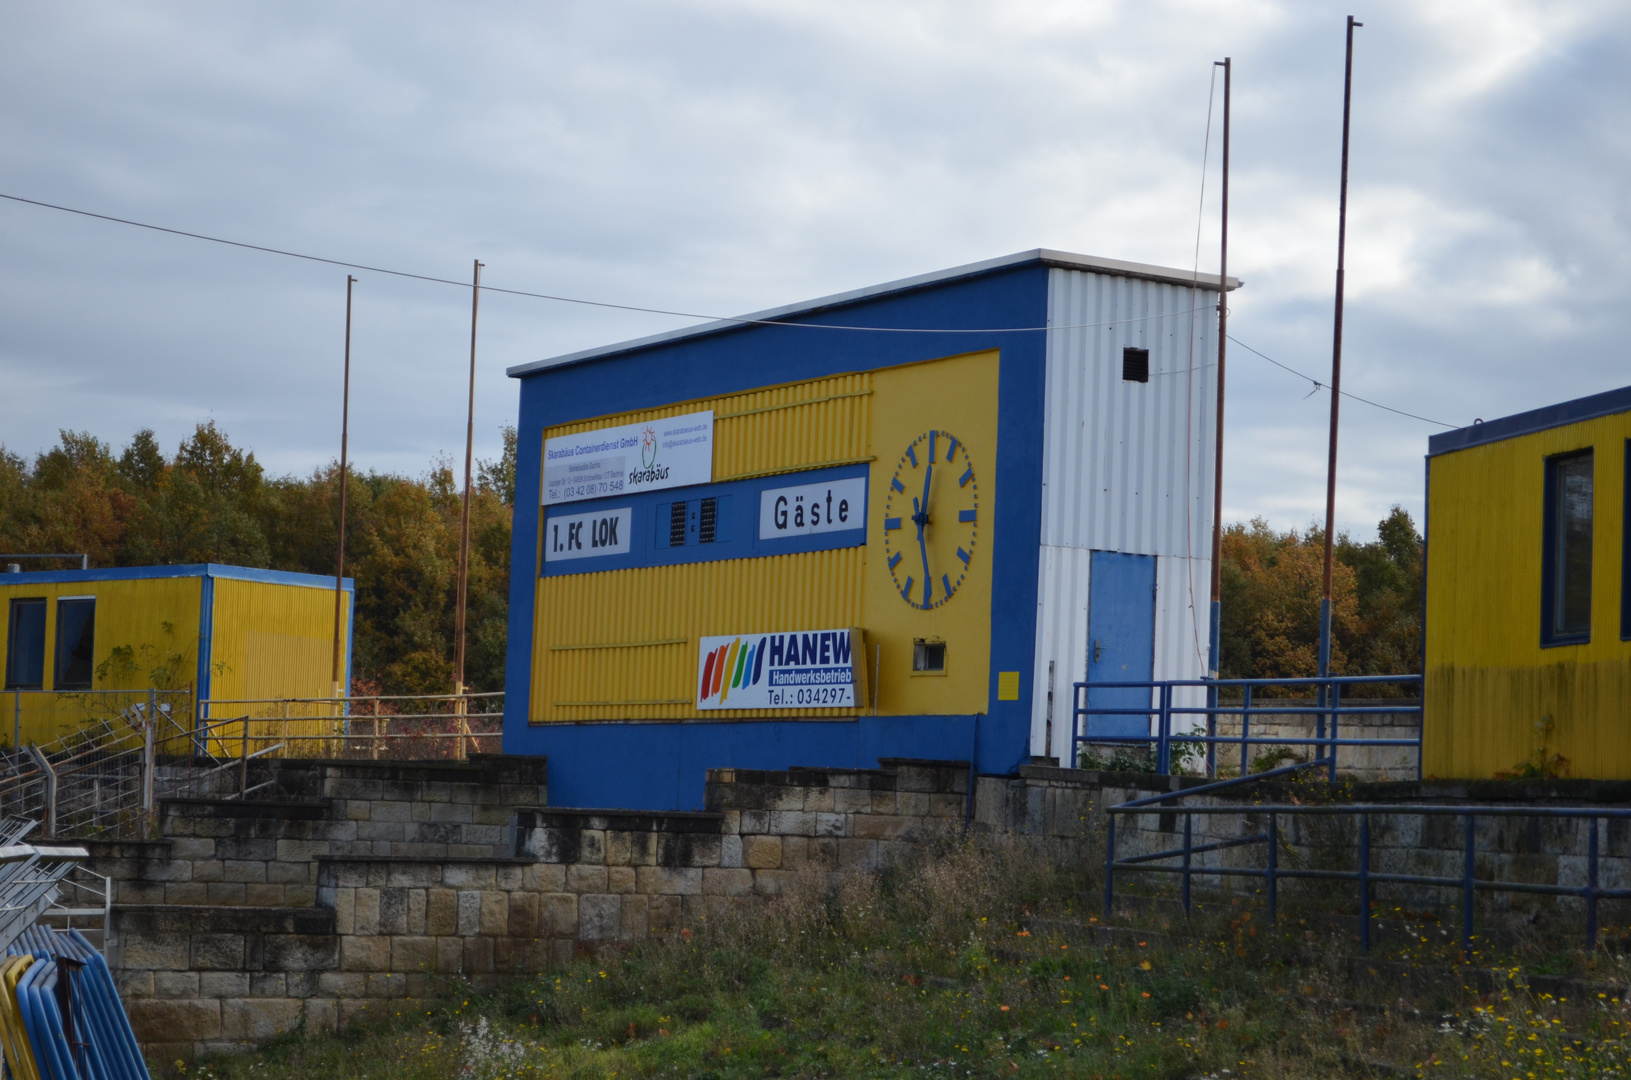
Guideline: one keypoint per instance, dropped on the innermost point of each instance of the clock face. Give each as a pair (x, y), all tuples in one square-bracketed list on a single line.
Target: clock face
[(931, 519)]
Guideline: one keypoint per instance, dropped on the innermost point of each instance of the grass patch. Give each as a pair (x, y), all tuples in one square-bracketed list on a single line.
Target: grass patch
[(979, 959)]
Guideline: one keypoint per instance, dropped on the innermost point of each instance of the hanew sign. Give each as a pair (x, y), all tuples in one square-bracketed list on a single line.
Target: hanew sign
[(671, 452), (807, 669)]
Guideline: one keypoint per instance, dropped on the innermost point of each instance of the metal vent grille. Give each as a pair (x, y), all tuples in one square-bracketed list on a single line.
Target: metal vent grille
[(710, 516), (676, 525), (1135, 365)]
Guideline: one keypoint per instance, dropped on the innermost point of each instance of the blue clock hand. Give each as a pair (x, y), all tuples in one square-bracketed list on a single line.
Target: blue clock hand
[(922, 518)]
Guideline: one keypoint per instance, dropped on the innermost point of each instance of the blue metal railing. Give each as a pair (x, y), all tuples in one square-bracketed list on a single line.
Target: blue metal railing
[(1271, 873), (1328, 709)]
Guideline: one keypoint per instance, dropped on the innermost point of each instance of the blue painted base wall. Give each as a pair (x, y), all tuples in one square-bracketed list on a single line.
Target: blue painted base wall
[(658, 766)]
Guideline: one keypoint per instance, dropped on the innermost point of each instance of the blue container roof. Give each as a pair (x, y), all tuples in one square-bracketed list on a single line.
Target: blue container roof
[(198, 570), (1527, 423), (806, 308)]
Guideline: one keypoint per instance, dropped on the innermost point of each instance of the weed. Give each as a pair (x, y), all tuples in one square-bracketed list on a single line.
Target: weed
[(981, 958)]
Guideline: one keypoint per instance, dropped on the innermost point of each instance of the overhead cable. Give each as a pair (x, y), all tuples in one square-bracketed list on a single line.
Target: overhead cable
[(739, 320), (1322, 386)]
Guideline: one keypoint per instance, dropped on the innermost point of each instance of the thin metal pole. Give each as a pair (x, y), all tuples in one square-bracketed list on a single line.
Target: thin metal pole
[(1467, 894), (1245, 730), (1211, 732), (1189, 820), (1591, 886), (147, 749), (1223, 340), (464, 515), (1336, 369), (1336, 708), (1163, 730), (1274, 865), (339, 557), (1364, 883)]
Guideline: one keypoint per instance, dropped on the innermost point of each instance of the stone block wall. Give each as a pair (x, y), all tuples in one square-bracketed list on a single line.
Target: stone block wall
[(263, 852), (200, 979), (365, 885)]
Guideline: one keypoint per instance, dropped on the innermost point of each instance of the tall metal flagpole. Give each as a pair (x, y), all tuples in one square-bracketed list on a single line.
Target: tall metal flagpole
[(1336, 369), (464, 516), (1223, 342), (340, 689)]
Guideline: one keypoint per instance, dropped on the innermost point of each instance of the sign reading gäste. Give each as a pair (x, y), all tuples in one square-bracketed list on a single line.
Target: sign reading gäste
[(812, 508), (671, 452), (810, 669)]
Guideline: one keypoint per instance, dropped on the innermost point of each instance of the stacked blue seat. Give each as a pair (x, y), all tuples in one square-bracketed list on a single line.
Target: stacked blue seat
[(90, 1039)]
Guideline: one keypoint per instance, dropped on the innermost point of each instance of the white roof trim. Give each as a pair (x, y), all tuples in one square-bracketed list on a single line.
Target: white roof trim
[(1046, 256)]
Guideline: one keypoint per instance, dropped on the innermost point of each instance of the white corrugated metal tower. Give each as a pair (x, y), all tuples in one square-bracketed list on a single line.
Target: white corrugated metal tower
[(1127, 467)]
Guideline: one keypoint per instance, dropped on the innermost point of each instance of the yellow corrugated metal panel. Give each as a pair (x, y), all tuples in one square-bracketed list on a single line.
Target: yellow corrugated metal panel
[(1494, 697), (623, 644), (146, 634), (776, 429), (645, 624), (273, 640), (957, 395)]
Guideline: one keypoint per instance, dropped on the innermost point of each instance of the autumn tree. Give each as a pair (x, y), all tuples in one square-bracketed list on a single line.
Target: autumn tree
[(212, 502), (1271, 601)]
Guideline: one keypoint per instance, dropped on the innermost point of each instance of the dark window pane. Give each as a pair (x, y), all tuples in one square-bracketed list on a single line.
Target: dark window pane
[(928, 655), (25, 646), (76, 642), (1571, 612), (710, 517), (676, 525)]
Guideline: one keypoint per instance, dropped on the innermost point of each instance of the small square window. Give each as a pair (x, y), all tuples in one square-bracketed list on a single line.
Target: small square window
[(929, 657), (1135, 365), (1566, 550)]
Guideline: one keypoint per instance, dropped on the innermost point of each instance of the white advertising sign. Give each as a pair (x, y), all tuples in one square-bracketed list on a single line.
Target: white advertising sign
[(583, 536), (812, 669), (671, 452), (812, 508)]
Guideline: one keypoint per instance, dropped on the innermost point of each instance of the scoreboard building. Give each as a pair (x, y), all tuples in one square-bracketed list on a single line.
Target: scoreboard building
[(901, 521)]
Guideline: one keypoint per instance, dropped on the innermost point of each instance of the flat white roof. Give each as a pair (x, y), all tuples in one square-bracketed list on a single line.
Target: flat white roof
[(1045, 256)]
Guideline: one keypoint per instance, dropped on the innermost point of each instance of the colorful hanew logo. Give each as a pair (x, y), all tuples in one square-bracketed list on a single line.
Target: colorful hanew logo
[(733, 666), (648, 448)]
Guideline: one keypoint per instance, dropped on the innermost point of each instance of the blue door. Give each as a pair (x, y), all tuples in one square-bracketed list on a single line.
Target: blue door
[(1120, 639)]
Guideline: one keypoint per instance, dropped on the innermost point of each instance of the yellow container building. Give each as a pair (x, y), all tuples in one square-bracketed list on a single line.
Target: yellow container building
[(205, 632), (1528, 606)]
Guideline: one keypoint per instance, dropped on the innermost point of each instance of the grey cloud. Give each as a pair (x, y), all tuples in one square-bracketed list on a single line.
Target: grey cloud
[(722, 157)]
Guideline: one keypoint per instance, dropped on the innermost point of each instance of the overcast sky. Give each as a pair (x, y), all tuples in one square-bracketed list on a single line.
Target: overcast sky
[(721, 157)]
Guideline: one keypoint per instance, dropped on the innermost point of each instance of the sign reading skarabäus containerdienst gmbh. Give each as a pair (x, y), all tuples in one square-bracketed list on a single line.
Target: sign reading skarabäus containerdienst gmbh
[(810, 669), (671, 452)]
